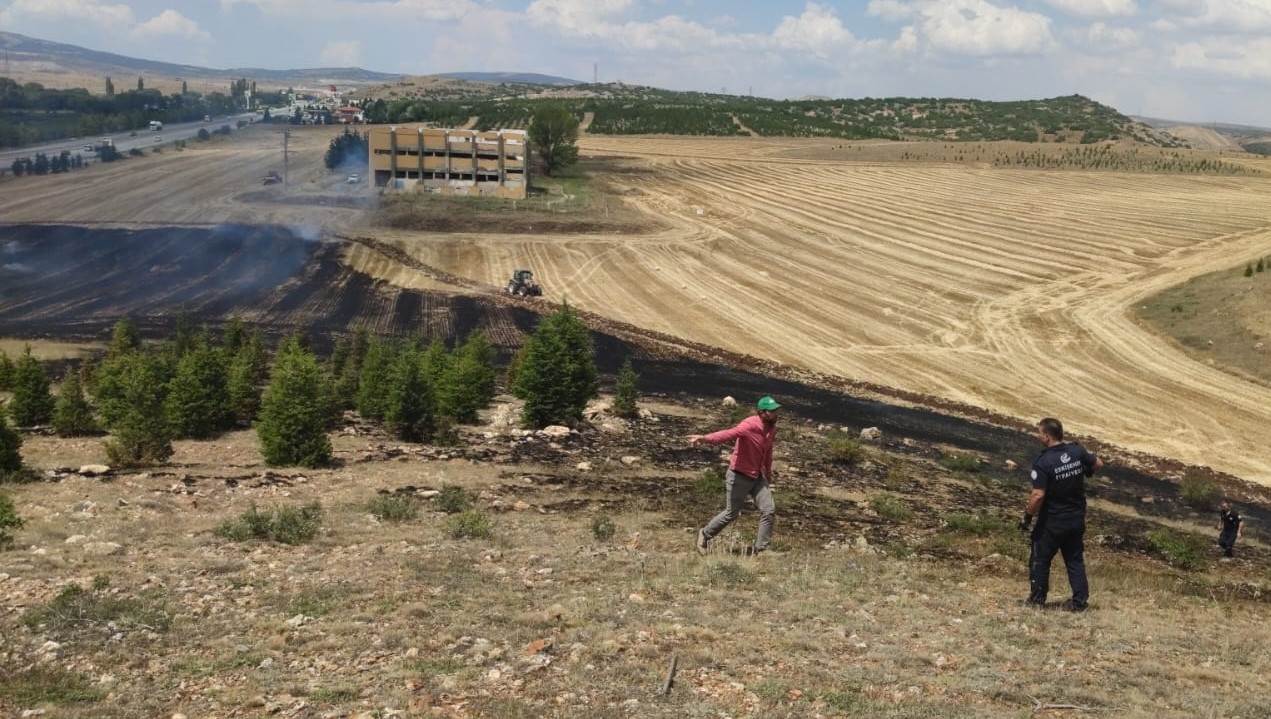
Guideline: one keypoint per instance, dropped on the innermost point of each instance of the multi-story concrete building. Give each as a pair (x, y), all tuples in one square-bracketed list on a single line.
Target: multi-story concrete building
[(456, 162)]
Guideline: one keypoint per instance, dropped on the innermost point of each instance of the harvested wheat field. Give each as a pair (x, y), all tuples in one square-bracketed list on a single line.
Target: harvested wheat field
[(1009, 290), (1000, 289)]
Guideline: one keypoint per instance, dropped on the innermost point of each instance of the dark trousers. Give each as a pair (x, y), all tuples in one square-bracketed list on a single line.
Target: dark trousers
[(1227, 541), (1047, 540)]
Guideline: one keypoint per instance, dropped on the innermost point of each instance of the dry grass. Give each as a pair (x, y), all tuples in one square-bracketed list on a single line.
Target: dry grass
[(541, 618)]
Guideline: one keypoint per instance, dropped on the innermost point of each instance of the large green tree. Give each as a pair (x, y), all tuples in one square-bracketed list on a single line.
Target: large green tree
[(198, 401), (410, 412), (73, 415), (292, 425), (554, 137), (468, 381), (10, 444), (139, 430), (557, 372)]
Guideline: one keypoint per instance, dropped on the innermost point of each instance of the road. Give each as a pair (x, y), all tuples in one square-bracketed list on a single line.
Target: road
[(123, 141)]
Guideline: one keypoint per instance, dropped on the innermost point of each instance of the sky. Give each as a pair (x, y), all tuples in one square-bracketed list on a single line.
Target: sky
[(1199, 61)]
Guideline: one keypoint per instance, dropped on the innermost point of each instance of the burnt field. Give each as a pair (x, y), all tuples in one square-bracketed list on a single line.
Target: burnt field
[(74, 283)]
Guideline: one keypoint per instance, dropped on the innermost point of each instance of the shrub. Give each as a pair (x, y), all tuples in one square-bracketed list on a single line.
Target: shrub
[(75, 609), (602, 528), (846, 450), (1248, 270), (1184, 551), (890, 507), (32, 403), (626, 391), (72, 415), (471, 524), (960, 462), (453, 500), (245, 376), (295, 409), (38, 685), (286, 525), (375, 380), (131, 390), (394, 507), (9, 519), (729, 574), (557, 375), (709, 485), (1198, 492), (973, 523)]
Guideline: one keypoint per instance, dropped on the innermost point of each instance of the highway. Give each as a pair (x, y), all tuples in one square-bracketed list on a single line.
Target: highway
[(123, 141)]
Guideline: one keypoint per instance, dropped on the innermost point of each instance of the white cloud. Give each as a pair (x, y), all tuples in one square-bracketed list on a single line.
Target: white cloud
[(575, 16), (341, 53), (170, 23), (1096, 8), (394, 10), (1249, 60), (89, 12), (968, 27), (1235, 15), (817, 30), (1108, 38)]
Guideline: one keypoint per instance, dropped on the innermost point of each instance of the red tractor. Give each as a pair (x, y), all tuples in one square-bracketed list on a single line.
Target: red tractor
[(522, 284)]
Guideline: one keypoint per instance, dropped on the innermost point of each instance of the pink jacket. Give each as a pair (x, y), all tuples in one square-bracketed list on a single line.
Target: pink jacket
[(752, 454)]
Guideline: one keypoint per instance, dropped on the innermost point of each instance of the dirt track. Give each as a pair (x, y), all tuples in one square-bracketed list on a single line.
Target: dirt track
[(1000, 289)]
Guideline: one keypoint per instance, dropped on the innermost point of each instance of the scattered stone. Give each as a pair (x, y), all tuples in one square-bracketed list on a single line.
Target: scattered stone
[(871, 434), (537, 647), (94, 470), (521, 505), (1147, 500), (584, 466), (298, 621), (630, 460), (103, 549), (729, 402), (555, 431), (76, 539), (1010, 465)]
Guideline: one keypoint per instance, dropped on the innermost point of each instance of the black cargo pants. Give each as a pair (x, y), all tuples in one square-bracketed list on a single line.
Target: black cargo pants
[(1049, 538)]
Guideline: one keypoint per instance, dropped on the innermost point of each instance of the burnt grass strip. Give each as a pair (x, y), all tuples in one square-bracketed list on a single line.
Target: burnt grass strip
[(299, 283)]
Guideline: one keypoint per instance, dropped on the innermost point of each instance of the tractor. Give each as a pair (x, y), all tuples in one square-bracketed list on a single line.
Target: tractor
[(522, 284)]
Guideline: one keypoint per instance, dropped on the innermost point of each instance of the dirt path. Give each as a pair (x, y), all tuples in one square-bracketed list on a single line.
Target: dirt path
[(743, 128)]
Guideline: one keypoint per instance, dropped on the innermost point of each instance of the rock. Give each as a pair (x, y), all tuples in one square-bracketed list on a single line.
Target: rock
[(584, 466), (265, 663), (94, 470), (521, 505), (256, 702), (729, 402), (85, 507), (643, 413), (76, 539), (871, 434), (554, 431), (538, 647), (630, 460), (1010, 465), (103, 549), (298, 621), (860, 545), (1147, 500)]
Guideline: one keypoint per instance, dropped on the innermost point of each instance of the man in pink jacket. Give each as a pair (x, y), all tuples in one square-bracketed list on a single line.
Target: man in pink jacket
[(749, 472)]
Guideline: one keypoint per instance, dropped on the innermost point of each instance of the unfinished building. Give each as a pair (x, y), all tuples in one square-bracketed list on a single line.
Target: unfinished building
[(453, 162)]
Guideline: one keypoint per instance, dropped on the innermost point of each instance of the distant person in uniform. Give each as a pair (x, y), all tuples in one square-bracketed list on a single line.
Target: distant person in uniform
[(1058, 501), (1231, 527), (749, 472)]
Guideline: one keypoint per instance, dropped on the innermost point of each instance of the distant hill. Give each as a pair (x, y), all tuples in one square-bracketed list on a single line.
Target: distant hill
[(1224, 136), (515, 78)]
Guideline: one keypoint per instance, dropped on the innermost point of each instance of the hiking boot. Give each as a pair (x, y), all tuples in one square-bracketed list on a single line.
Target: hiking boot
[(1031, 603), (1069, 605), (702, 542)]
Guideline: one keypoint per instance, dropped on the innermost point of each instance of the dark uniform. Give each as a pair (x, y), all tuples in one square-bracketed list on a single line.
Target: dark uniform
[(1061, 472), (1230, 528)]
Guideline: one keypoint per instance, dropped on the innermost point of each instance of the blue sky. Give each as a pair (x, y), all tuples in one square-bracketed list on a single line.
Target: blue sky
[(1191, 60)]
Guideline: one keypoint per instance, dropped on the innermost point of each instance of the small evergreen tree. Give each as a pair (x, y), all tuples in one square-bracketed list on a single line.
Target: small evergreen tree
[(1259, 267), (557, 375), (6, 372), (436, 360), (124, 338), (373, 383), (139, 432), (9, 519), (411, 408), (32, 402), (113, 387), (1248, 270), (467, 384), (198, 402), (294, 410), (626, 392), (10, 444), (246, 375), (73, 415)]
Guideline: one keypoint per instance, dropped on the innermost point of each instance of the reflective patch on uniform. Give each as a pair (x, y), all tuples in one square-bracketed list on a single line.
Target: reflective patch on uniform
[(1034, 474)]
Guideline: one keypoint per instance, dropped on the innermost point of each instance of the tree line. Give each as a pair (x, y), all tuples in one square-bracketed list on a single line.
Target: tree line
[(193, 385)]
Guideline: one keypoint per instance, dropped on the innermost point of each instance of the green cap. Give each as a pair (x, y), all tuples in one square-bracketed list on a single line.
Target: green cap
[(767, 404)]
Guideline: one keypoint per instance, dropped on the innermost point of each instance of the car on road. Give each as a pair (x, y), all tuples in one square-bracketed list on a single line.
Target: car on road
[(158, 138), (353, 178), (88, 148)]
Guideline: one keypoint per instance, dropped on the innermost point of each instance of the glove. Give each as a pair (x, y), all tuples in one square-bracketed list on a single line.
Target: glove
[(1026, 523)]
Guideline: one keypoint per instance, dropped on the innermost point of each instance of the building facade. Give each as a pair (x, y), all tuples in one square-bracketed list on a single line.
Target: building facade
[(453, 162)]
